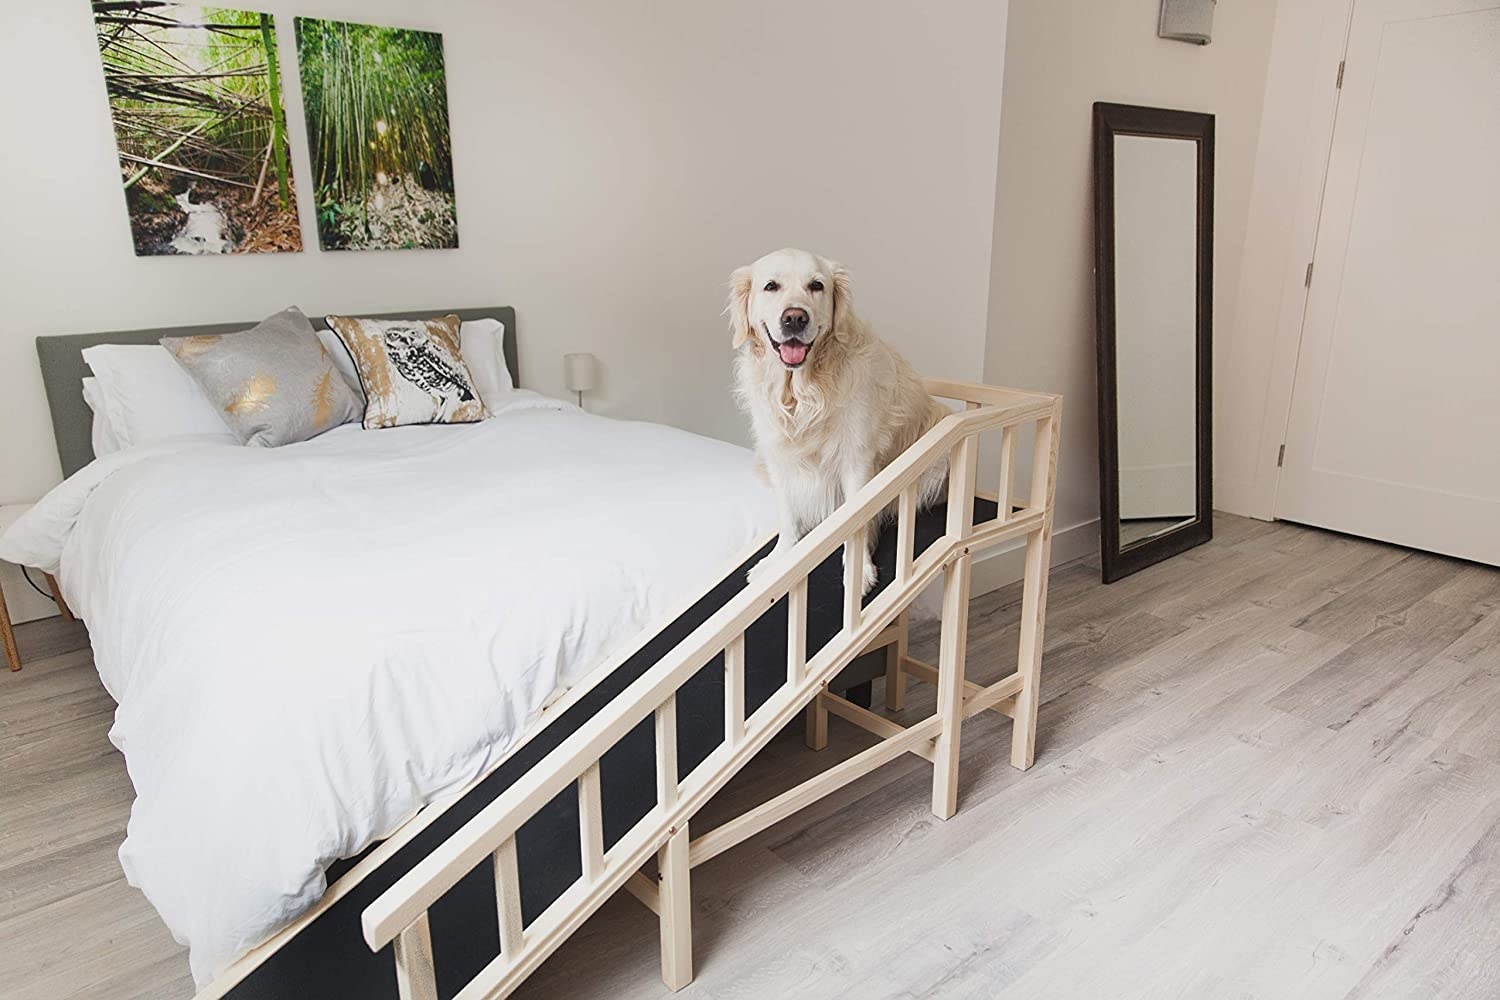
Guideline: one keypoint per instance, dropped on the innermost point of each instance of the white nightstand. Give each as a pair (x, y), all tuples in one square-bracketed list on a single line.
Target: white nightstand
[(8, 516)]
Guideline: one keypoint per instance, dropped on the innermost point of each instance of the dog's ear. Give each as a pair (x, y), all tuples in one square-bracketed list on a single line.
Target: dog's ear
[(843, 300), (738, 307)]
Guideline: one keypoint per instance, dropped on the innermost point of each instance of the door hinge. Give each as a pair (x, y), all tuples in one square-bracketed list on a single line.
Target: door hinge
[(1307, 278), (1339, 83), (1280, 456)]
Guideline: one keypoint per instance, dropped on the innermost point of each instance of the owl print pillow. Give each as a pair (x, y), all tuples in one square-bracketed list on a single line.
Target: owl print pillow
[(411, 370)]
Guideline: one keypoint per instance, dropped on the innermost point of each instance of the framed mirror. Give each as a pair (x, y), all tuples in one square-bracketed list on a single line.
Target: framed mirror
[(1153, 280)]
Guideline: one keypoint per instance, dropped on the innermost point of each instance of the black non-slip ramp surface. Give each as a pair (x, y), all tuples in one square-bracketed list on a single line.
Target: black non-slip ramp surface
[(329, 957)]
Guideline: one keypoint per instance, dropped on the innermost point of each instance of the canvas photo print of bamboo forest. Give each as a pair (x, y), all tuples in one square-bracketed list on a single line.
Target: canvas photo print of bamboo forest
[(195, 95), (376, 101)]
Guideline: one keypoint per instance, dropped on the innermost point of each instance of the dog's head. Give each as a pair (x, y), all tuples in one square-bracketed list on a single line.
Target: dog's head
[(790, 298)]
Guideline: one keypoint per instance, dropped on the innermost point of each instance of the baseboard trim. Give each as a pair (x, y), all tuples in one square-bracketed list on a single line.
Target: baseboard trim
[(1005, 565)]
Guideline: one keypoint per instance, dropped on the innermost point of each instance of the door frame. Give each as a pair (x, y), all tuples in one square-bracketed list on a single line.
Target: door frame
[(1284, 377), (1311, 103)]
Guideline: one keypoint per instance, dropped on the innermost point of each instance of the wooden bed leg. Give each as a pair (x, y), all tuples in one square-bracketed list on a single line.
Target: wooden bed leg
[(676, 911), (62, 605), (817, 725), (8, 636), (950, 697), (895, 677), (1034, 596)]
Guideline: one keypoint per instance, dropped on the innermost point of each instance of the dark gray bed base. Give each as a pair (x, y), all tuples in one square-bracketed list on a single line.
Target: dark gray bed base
[(63, 368)]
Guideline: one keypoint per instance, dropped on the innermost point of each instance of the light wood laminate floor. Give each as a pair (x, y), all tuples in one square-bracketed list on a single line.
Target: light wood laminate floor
[(1268, 768)]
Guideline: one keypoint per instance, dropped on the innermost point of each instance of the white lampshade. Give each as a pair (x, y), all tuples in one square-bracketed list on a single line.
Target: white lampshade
[(581, 371)]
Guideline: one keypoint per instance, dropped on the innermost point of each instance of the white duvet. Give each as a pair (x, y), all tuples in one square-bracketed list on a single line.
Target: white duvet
[(307, 643)]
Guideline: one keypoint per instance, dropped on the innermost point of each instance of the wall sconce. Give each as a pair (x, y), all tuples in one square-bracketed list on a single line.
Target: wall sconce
[(581, 372), (1187, 21)]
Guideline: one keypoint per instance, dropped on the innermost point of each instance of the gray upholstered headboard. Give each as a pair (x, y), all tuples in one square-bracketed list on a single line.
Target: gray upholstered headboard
[(63, 369)]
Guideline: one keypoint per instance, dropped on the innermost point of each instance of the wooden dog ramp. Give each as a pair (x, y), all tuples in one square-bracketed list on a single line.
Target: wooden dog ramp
[(400, 914)]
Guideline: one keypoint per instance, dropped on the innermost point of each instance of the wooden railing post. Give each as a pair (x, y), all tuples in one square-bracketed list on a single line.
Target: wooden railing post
[(508, 897), (906, 541), (961, 471), (1007, 471), (734, 690), (906, 532), (415, 977), (796, 632), (591, 823), (1034, 592), (666, 753), (854, 578)]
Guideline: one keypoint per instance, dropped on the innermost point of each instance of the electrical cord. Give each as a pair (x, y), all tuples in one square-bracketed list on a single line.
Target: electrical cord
[(27, 574)]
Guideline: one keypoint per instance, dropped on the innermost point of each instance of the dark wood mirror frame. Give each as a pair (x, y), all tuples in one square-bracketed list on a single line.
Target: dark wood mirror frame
[(1111, 120)]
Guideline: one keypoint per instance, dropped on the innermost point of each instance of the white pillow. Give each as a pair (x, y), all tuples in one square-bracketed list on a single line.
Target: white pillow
[(102, 435), (341, 359), (147, 397), (481, 344)]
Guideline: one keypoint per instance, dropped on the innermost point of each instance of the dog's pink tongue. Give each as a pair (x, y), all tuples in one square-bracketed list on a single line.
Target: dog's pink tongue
[(792, 352)]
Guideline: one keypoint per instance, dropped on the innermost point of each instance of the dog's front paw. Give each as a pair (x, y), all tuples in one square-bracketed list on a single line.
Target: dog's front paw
[(869, 576), (777, 552), (759, 568)]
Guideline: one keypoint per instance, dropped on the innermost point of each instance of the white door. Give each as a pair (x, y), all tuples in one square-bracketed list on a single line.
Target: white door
[(1394, 431)]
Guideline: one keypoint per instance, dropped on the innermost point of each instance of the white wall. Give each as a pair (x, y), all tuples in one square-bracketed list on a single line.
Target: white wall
[(613, 163), (1063, 56)]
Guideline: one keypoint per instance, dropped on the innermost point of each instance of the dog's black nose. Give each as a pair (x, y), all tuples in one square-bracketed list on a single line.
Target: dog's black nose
[(794, 321)]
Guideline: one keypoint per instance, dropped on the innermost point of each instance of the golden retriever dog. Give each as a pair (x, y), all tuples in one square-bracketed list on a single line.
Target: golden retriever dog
[(830, 403)]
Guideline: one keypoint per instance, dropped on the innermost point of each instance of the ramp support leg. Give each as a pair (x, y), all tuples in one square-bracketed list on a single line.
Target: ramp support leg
[(676, 911), (895, 655), (817, 724), (1033, 600), (1034, 596), (950, 696)]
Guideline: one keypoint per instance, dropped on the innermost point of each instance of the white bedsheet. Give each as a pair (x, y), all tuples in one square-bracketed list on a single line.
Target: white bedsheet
[(307, 643)]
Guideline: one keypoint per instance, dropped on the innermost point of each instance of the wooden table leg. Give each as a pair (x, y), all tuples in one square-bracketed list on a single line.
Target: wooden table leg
[(62, 605), (12, 654)]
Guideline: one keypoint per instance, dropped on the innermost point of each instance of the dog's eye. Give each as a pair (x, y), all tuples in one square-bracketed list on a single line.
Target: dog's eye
[(815, 285), (772, 286)]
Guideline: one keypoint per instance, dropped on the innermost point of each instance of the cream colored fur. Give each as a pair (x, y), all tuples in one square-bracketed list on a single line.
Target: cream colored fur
[(824, 429)]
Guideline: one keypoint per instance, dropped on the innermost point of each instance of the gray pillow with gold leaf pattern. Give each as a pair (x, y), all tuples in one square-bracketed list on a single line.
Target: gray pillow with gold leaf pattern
[(411, 370), (274, 384)]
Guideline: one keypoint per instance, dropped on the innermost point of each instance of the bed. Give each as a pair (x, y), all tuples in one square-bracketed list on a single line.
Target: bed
[(310, 644)]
